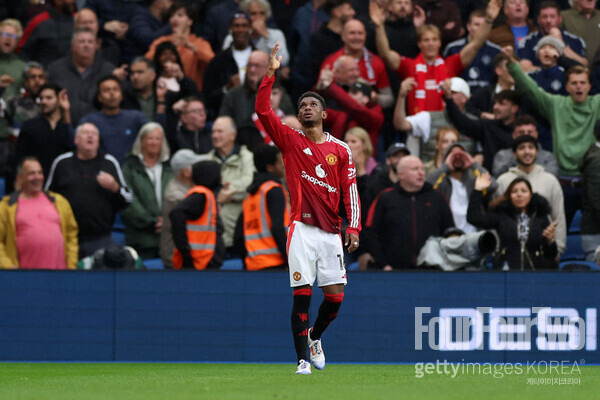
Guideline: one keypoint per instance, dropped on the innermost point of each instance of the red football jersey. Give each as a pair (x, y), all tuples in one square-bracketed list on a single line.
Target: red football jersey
[(317, 173)]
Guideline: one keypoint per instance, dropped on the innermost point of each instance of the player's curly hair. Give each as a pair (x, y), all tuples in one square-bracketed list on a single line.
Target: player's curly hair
[(311, 94)]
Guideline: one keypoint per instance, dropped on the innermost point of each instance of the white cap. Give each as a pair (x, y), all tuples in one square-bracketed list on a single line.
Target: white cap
[(185, 158), (461, 86)]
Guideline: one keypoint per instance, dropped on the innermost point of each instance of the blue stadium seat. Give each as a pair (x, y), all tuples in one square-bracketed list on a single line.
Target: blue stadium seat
[(118, 237), (2, 187), (118, 224), (353, 266), (574, 251), (154, 263), (575, 226), (576, 265), (233, 264)]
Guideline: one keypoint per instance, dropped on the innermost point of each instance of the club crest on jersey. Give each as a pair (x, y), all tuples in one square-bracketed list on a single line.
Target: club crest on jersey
[(331, 159), (320, 171), (297, 276)]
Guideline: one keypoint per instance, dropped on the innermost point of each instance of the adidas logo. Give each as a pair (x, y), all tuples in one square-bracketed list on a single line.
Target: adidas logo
[(307, 151)]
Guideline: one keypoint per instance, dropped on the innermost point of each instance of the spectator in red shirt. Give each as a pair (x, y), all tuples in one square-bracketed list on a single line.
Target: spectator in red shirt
[(354, 100), (372, 68), (428, 68)]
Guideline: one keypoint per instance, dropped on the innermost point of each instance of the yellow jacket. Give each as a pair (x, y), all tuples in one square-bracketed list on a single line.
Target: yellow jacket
[(8, 230)]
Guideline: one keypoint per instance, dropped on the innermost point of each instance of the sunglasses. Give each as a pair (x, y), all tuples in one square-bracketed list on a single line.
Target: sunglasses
[(10, 35)]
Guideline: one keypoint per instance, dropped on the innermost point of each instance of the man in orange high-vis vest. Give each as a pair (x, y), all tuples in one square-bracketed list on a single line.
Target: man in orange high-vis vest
[(195, 223), (260, 234)]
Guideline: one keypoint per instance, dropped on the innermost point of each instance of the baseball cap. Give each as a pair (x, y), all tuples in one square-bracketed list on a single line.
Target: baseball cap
[(523, 139), (185, 158), (396, 148), (459, 85), (240, 14)]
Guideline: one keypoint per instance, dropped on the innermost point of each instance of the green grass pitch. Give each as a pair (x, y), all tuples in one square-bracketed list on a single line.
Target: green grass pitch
[(129, 381)]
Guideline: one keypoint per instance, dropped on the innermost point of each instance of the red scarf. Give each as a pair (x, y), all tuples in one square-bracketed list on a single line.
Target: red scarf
[(425, 88)]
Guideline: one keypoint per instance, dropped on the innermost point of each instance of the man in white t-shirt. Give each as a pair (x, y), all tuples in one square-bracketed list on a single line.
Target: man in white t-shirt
[(456, 180)]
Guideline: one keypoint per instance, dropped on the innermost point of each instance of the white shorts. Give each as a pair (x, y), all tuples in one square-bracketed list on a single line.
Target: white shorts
[(315, 253)]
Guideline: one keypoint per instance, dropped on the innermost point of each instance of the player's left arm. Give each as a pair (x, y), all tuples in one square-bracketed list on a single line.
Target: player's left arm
[(351, 200)]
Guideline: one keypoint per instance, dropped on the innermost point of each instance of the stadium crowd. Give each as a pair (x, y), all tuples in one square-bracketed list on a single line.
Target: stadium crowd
[(461, 117)]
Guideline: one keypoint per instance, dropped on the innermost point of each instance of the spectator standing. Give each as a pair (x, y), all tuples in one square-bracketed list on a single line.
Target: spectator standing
[(11, 66), (445, 15), (444, 137), (583, 20), (37, 229), (195, 52), (455, 179), (117, 127), (402, 218), (228, 68), (80, 72), (147, 25), (516, 26), (50, 134), (237, 170), (481, 103), (196, 226), (590, 215), (522, 220), (429, 69), (139, 94), (191, 131), (47, 36), (146, 173), (176, 190), (526, 150), (481, 70), (107, 48), (94, 186), (505, 158), (261, 230), (238, 103)]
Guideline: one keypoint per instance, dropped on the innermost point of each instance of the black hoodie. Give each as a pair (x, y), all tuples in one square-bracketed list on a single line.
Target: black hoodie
[(207, 174), (275, 208)]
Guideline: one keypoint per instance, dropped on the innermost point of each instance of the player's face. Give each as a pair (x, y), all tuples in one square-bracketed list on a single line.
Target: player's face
[(430, 44), (310, 112), (578, 87), (526, 154), (528, 129), (549, 18)]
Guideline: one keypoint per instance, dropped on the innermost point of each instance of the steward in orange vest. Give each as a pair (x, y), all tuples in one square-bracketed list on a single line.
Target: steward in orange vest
[(261, 231), (197, 228)]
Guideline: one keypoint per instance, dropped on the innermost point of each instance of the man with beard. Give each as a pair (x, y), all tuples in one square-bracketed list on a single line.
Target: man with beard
[(455, 179), (48, 135), (238, 103), (525, 149), (48, 35)]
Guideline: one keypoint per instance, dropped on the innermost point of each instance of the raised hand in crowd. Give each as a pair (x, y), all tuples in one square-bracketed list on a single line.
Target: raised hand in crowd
[(121, 72), (483, 181), (419, 17), (325, 78), (406, 86), (119, 28), (108, 182), (5, 81), (550, 232)]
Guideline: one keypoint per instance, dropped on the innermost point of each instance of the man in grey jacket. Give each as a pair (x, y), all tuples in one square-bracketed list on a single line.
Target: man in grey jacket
[(525, 149)]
